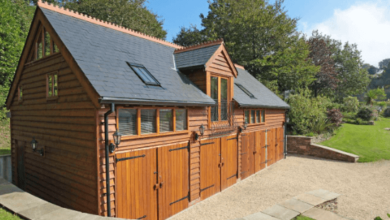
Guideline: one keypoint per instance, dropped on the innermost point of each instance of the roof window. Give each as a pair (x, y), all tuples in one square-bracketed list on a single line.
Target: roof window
[(245, 90), (144, 74)]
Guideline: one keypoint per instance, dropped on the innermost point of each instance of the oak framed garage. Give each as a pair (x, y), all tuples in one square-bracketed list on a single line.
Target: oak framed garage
[(181, 112)]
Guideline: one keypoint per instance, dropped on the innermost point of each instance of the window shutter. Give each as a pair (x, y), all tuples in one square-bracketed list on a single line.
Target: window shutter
[(148, 121), (166, 120), (128, 121), (181, 119)]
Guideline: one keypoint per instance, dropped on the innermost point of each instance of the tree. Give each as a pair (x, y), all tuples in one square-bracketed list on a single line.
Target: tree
[(189, 36), (131, 14), (384, 63), (374, 94), (260, 36), (321, 54), (353, 79)]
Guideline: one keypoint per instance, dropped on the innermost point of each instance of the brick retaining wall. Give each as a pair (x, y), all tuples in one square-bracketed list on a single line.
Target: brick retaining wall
[(303, 145)]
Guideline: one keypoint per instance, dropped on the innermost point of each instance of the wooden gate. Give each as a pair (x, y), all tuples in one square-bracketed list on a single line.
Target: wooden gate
[(271, 151), (152, 183), (210, 174), (229, 161), (280, 141)]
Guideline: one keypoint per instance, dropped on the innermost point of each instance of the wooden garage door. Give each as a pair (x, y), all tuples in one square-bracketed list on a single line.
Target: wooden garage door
[(153, 183), (173, 179), (248, 154), (229, 161), (271, 151), (279, 144), (135, 185), (210, 173), (260, 162)]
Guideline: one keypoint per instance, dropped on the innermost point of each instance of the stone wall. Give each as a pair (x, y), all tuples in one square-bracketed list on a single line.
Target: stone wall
[(303, 145)]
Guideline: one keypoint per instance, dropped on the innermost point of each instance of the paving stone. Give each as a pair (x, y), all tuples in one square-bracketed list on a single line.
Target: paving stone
[(281, 212), (36, 212), (60, 214), (297, 205), (310, 199), (320, 214), (259, 216), (325, 194), (20, 201), (6, 188)]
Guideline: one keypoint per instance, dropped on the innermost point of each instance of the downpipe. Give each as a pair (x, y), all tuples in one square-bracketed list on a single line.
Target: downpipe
[(112, 109)]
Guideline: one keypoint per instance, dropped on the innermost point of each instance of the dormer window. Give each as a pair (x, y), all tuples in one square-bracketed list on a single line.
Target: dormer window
[(245, 91), (144, 74)]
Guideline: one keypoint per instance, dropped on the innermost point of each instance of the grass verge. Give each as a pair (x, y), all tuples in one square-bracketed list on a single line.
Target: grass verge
[(369, 142), (4, 215)]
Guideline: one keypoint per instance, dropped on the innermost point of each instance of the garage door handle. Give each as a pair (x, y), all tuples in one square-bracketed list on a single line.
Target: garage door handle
[(161, 184), (254, 152), (155, 186)]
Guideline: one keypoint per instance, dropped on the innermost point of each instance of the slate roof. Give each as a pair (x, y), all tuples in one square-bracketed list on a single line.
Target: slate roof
[(195, 58), (264, 98), (102, 54)]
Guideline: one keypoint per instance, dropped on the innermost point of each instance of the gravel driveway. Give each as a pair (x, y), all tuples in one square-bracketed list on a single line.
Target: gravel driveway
[(365, 189)]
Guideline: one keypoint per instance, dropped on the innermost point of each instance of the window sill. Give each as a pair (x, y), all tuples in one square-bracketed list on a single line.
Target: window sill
[(125, 138)]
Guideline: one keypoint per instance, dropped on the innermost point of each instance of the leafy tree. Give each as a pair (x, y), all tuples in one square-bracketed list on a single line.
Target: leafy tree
[(260, 36), (131, 14), (374, 94), (321, 54), (189, 36), (384, 63), (353, 79)]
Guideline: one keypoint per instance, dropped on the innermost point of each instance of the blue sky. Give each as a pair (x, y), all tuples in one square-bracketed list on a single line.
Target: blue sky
[(364, 22)]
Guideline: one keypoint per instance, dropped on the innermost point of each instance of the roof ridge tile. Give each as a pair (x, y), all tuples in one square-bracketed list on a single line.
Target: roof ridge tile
[(106, 24), (199, 45)]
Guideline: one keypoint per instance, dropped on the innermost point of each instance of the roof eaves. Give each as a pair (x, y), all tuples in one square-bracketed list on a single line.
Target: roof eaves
[(130, 101), (199, 46), (262, 106)]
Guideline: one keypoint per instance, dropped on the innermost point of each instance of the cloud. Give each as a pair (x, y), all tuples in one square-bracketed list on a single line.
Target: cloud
[(365, 24)]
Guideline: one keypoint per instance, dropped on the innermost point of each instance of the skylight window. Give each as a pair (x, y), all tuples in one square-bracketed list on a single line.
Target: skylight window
[(144, 74), (246, 91)]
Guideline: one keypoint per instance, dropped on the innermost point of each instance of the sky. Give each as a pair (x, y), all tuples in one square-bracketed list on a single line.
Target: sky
[(363, 22)]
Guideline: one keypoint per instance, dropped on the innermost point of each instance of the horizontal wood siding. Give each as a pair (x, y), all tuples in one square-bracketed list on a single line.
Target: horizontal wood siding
[(65, 127), (198, 77), (219, 65)]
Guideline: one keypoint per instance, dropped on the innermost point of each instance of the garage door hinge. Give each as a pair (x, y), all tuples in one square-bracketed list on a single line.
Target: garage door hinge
[(129, 158), (265, 146)]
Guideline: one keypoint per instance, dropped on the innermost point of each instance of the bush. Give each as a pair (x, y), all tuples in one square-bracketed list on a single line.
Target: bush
[(335, 117), (365, 114), (351, 104), (349, 115), (3, 97), (386, 113), (307, 114)]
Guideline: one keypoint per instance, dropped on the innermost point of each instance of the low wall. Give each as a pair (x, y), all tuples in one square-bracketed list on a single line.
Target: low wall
[(6, 167), (303, 145)]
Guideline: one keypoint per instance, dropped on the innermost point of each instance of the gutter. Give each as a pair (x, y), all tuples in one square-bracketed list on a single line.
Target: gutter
[(111, 100), (112, 109)]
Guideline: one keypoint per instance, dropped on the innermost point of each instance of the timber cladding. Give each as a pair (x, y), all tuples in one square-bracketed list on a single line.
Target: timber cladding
[(65, 128)]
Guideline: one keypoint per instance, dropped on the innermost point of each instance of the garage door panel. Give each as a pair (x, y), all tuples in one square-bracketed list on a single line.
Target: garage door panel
[(135, 179), (229, 160), (270, 147), (262, 150), (209, 168), (173, 179)]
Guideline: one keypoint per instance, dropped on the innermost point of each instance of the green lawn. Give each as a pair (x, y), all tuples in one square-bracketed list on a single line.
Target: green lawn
[(4, 215), (370, 143), (5, 140)]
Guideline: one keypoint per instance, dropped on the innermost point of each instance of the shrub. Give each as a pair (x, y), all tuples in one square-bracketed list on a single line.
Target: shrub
[(307, 114), (349, 115), (365, 114), (375, 115), (359, 121), (335, 117), (386, 113), (351, 104)]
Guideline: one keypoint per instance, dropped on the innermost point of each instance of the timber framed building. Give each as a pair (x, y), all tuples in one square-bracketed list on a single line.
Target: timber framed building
[(192, 122)]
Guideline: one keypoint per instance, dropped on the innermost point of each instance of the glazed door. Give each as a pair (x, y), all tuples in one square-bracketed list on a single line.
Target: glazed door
[(229, 161), (136, 184), (210, 167), (20, 170), (173, 178)]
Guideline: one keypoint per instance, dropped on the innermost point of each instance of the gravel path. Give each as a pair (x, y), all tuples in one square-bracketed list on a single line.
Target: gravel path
[(365, 189)]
